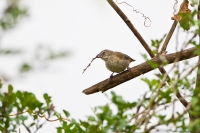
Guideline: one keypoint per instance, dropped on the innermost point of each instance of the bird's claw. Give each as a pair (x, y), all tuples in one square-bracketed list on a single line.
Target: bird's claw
[(111, 77)]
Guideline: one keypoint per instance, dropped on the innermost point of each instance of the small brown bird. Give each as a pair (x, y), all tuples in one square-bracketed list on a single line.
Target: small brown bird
[(116, 62)]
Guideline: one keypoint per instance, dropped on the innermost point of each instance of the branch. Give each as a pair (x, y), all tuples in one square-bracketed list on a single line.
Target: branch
[(137, 71), (27, 128), (42, 116), (135, 32), (145, 45), (198, 70), (198, 13), (169, 35), (131, 27)]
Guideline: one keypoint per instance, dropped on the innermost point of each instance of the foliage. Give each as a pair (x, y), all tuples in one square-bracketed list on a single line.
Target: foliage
[(11, 14), (155, 111), (28, 108)]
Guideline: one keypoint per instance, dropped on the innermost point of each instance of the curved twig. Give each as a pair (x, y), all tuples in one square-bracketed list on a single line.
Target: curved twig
[(145, 17), (174, 7), (42, 116)]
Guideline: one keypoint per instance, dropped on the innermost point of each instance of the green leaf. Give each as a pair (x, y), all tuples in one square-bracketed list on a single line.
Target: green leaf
[(84, 123), (185, 20), (152, 64), (25, 67), (67, 114), (59, 130), (47, 98), (1, 83), (10, 89), (91, 118)]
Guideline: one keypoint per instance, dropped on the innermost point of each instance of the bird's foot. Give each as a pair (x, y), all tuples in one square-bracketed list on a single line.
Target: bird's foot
[(111, 77)]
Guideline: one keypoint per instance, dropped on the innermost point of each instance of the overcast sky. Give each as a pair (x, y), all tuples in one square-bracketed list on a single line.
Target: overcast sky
[(83, 27)]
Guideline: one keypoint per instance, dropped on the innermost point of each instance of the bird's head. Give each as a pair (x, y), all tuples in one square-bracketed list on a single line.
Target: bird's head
[(105, 54)]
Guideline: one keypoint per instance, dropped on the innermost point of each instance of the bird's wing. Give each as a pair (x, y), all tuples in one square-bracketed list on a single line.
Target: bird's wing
[(126, 57), (123, 56), (118, 55)]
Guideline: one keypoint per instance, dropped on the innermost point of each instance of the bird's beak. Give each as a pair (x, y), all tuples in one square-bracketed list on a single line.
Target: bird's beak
[(99, 55)]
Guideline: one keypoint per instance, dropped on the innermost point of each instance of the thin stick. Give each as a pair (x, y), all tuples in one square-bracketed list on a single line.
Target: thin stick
[(89, 64), (43, 116), (164, 47)]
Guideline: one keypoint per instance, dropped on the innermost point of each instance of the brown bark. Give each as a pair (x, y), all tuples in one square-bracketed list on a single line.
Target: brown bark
[(145, 45), (137, 71), (169, 35)]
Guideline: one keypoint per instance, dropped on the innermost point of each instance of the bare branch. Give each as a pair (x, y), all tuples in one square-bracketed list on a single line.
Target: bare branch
[(19, 113), (137, 71), (42, 116), (164, 47), (27, 128), (198, 70), (135, 32), (143, 42), (131, 27), (89, 64), (38, 126)]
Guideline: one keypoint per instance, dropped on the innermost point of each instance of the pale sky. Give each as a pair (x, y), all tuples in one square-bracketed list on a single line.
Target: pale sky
[(84, 27)]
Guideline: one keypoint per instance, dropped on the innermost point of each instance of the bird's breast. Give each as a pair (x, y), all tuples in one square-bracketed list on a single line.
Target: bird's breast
[(116, 65)]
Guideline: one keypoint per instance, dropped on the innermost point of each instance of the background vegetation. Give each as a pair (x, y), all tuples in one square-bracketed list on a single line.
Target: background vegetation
[(147, 114)]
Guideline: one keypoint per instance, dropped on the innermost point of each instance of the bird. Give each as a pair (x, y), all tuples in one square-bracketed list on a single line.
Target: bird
[(116, 62)]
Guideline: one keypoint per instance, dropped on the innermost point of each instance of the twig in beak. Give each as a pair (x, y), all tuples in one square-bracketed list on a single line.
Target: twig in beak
[(90, 63)]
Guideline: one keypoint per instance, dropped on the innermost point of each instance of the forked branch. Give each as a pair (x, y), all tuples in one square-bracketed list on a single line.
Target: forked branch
[(144, 44), (138, 70)]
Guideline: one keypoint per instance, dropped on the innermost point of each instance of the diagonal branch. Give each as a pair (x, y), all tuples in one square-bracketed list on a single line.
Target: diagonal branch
[(138, 70), (143, 42), (176, 18), (196, 91), (27, 128), (131, 27), (169, 35), (136, 33), (198, 70)]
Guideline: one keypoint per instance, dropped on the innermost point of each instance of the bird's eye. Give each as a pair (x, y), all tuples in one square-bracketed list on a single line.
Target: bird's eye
[(103, 52)]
